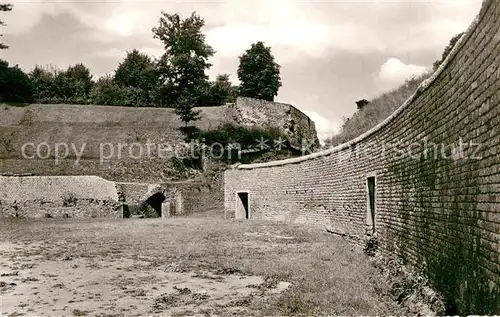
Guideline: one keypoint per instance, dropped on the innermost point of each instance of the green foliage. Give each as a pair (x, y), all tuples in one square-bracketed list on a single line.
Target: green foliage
[(78, 82), (144, 210), (220, 91), (235, 143), (259, 73), (107, 92), (139, 72), (43, 83), (447, 50), (229, 133), (4, 7), (15, 85), (182, 66), (52, 85), (185, 110), (177, 79)]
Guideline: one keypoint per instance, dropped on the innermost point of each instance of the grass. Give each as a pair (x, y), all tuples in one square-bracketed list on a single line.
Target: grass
[(328, 275)]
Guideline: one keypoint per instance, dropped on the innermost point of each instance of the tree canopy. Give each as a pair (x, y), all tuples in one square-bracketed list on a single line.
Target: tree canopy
[(15, 85), (182, 67), (178, 78), (259, 73), (138, 73)]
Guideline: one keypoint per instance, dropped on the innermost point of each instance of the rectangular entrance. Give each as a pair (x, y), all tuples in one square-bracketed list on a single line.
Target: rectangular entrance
[(371, 203), (242, 210)]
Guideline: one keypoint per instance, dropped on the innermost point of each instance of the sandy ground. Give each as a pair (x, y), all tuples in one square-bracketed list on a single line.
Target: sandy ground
[(164, 267), (106, 286)]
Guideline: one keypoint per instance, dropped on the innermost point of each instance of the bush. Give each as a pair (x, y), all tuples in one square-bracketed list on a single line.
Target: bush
[(15, 85), (229, 133), (69, 200), (243, 142), (144, 210)]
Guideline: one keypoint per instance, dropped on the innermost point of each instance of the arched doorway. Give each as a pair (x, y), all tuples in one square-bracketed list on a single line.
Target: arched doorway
[(155, 201)]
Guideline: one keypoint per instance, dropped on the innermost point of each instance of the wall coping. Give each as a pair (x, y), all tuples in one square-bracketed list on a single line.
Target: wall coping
[(421, 88), (56, 177)]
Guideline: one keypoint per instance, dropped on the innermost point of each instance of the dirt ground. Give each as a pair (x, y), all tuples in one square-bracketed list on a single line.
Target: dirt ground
[(183, 267)]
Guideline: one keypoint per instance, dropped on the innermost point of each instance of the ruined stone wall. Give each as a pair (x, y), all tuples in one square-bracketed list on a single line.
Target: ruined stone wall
[(288, 119), (436, 163), (134, 193), (206, 198), (55, 196)]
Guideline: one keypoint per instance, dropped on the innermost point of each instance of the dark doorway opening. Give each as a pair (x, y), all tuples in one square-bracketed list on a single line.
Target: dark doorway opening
[(155, 201), (371, 202), (126, 211), (243, 205)]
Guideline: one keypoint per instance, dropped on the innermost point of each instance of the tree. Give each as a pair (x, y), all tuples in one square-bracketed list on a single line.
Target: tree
[(447, 50), (15, 85), (3, 8), (220, 91), (106, 92), (361, 103), (184, 109), (138, 71), (182, 66), (259, 73), (43, 84), (78, 83)]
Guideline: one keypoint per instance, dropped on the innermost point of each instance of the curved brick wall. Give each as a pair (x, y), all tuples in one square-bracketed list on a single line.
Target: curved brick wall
[(437, 203)]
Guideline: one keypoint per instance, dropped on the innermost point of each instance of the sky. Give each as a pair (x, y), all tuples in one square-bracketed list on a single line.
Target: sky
[(332, 52)]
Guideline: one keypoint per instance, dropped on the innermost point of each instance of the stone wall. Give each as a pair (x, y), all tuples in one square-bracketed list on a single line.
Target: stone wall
[(58, 196), (288, 119), (205, 198), (134, 193), (436, 166), (94, 197)]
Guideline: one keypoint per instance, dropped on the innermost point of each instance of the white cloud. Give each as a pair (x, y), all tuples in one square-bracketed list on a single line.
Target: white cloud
[(325, 128), (123, 23), (293, 27), (394, 72), (25, 15), (232, 40)]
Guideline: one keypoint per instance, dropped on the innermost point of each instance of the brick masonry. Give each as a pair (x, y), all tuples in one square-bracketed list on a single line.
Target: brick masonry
[(58, 197), (95, 197), (184, 197), (436, 163)]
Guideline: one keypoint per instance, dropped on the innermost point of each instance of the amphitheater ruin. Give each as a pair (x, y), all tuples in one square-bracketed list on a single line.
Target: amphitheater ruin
[(424, 183)]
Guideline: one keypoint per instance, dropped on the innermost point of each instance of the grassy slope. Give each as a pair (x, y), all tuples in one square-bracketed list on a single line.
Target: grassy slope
[(328, 275), (95, 125), (375, 112)]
